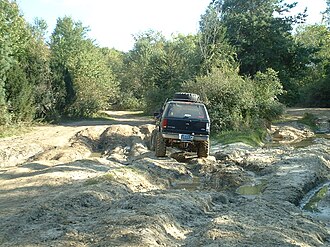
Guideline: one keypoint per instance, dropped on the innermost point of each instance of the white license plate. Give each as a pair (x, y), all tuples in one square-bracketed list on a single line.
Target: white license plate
[(185, 137)]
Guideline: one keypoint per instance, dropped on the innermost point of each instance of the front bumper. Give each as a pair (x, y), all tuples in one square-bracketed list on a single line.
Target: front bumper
[(176, 136)]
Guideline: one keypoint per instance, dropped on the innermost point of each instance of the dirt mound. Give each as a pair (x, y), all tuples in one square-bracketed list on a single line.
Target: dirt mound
[(290, 134), (122, 142), (13, 155), (100, 186)]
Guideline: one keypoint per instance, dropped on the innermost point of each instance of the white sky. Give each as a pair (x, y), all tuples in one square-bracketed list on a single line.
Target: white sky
[(113, 22)]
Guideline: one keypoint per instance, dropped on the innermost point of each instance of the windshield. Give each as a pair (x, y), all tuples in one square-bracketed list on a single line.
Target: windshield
[(186, 110)]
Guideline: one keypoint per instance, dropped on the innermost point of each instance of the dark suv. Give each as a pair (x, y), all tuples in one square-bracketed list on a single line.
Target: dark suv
[(183, 123)]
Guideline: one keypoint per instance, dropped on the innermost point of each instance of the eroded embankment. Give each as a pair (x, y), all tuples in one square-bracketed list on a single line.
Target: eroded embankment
[(105, 188)]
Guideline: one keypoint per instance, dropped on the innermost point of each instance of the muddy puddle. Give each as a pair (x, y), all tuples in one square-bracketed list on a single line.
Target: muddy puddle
[(317, 202), (310, 141), (191, 184), (300, 144), (252, 190)]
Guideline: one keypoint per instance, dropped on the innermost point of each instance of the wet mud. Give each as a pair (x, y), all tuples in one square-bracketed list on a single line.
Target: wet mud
[(99, 185)]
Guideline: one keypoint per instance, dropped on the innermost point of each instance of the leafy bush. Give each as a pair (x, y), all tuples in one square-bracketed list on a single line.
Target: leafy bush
[(309, 119), (250, 137), (127, 101), (155, 99), (235, 102), (20, 98), (317, 94), (225, 94), (266, 88)]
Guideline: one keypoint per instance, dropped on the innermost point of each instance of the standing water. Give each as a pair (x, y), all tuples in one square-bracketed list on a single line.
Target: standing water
[(317, 202)]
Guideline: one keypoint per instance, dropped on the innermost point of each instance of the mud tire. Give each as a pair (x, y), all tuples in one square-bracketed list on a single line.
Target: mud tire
[(160, 147), (153, 139), (203, 149)]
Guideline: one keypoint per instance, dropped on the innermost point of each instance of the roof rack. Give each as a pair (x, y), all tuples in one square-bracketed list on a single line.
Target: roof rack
[(189, 97)]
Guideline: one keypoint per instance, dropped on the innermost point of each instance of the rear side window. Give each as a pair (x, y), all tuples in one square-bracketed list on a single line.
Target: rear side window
[(185, 110)]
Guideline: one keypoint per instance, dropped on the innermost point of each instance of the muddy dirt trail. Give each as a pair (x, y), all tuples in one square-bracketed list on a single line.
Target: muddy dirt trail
[(95, 183)]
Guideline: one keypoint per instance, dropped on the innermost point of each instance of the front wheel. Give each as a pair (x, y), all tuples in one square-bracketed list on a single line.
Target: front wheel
[(160, 147), (203, 149)]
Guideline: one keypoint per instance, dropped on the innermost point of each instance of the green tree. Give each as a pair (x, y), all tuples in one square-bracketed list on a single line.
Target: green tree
[(326, 14), (66, 45), (260, 33), (313, 84), (38, 70), (148, 49), (266, 89), (94, 83), (11, 40), (216, 52), (82, 81), (188, 55), (156, 67), (115, 61), (19, 93), (15, 89), (176, 61)]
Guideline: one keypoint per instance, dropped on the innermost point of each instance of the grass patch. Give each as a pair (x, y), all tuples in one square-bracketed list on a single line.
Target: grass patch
[(108, 177), (310, 120), (100, 179), (15, 129), (312, 204), (250, 137), (92, 181)]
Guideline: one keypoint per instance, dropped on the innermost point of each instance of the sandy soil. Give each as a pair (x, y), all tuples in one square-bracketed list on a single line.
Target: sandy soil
[(95, 183), (299, 112)]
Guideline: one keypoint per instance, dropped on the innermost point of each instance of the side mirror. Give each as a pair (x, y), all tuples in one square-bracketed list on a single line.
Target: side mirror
[(156, 114)]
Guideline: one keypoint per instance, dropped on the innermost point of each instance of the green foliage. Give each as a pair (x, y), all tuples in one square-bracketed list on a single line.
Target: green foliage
[(13, 35), (13, 129), (66, 44), (225, 94), (38, 71), (313, 84), (18, 76), (115, 62), (260, 33), (156, 98), (156, 68), (310, 120), (326, 14), (257, 35), (317, 94), (236, 103), (216, 52), (267, 87), (20, 95), (231, 63), (82, 81), (127, 101), (253, 137)]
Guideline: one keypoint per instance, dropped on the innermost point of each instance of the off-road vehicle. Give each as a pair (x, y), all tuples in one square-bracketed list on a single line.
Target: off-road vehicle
[(184, 123)]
